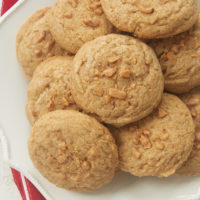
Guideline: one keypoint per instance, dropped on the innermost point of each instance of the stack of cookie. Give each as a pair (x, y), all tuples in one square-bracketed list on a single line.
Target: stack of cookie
[(96, 95)]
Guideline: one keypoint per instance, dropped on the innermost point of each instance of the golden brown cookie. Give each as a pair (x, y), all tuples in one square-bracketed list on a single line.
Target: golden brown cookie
[(34, 42), (74, 22), (151, 19), (158, 144), (179, 57), (49, 88), (117, 79), (73, 150), (192, 166)]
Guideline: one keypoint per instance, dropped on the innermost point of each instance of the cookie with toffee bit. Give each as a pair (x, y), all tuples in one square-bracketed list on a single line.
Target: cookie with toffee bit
[(74, 22), (34, 42), (179, 57), (151, 19), (159, 144), (49, 88), (73, 150), (192, 166), (117, 78)]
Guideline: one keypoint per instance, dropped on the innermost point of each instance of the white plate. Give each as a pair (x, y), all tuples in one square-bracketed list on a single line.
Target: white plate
[(16, 128)]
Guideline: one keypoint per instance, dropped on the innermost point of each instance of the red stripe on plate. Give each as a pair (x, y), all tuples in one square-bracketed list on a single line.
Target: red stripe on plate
[(34, 194), (6, 4), (18, 181)]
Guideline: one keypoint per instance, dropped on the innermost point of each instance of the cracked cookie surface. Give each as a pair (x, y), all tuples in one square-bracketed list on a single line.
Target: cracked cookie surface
[(159, 144), (74, 22), (192, 166), (151, 19), (179, 57), (49, 88), (73, 150), (117, 79), (34, 42)]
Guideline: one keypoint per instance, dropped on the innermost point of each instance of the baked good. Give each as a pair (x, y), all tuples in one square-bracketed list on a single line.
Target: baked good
[(192, 166), (74, 22), (34, 42), (49, 88), (159, 144), (151, 19), (117, 79), (179, 57), (73, 150)]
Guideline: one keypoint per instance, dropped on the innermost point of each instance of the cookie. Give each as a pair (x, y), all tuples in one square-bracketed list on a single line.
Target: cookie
[(151, 19), (192, 166), (179, 57), (49, 88), (73, 150), (158, 144), (74, 22), (117, 79), (34, 42)]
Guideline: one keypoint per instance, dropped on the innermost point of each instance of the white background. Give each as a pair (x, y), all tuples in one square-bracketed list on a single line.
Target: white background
[(8, 190)]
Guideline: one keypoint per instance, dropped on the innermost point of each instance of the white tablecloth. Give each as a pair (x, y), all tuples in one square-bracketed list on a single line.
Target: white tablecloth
[(8, 189)]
